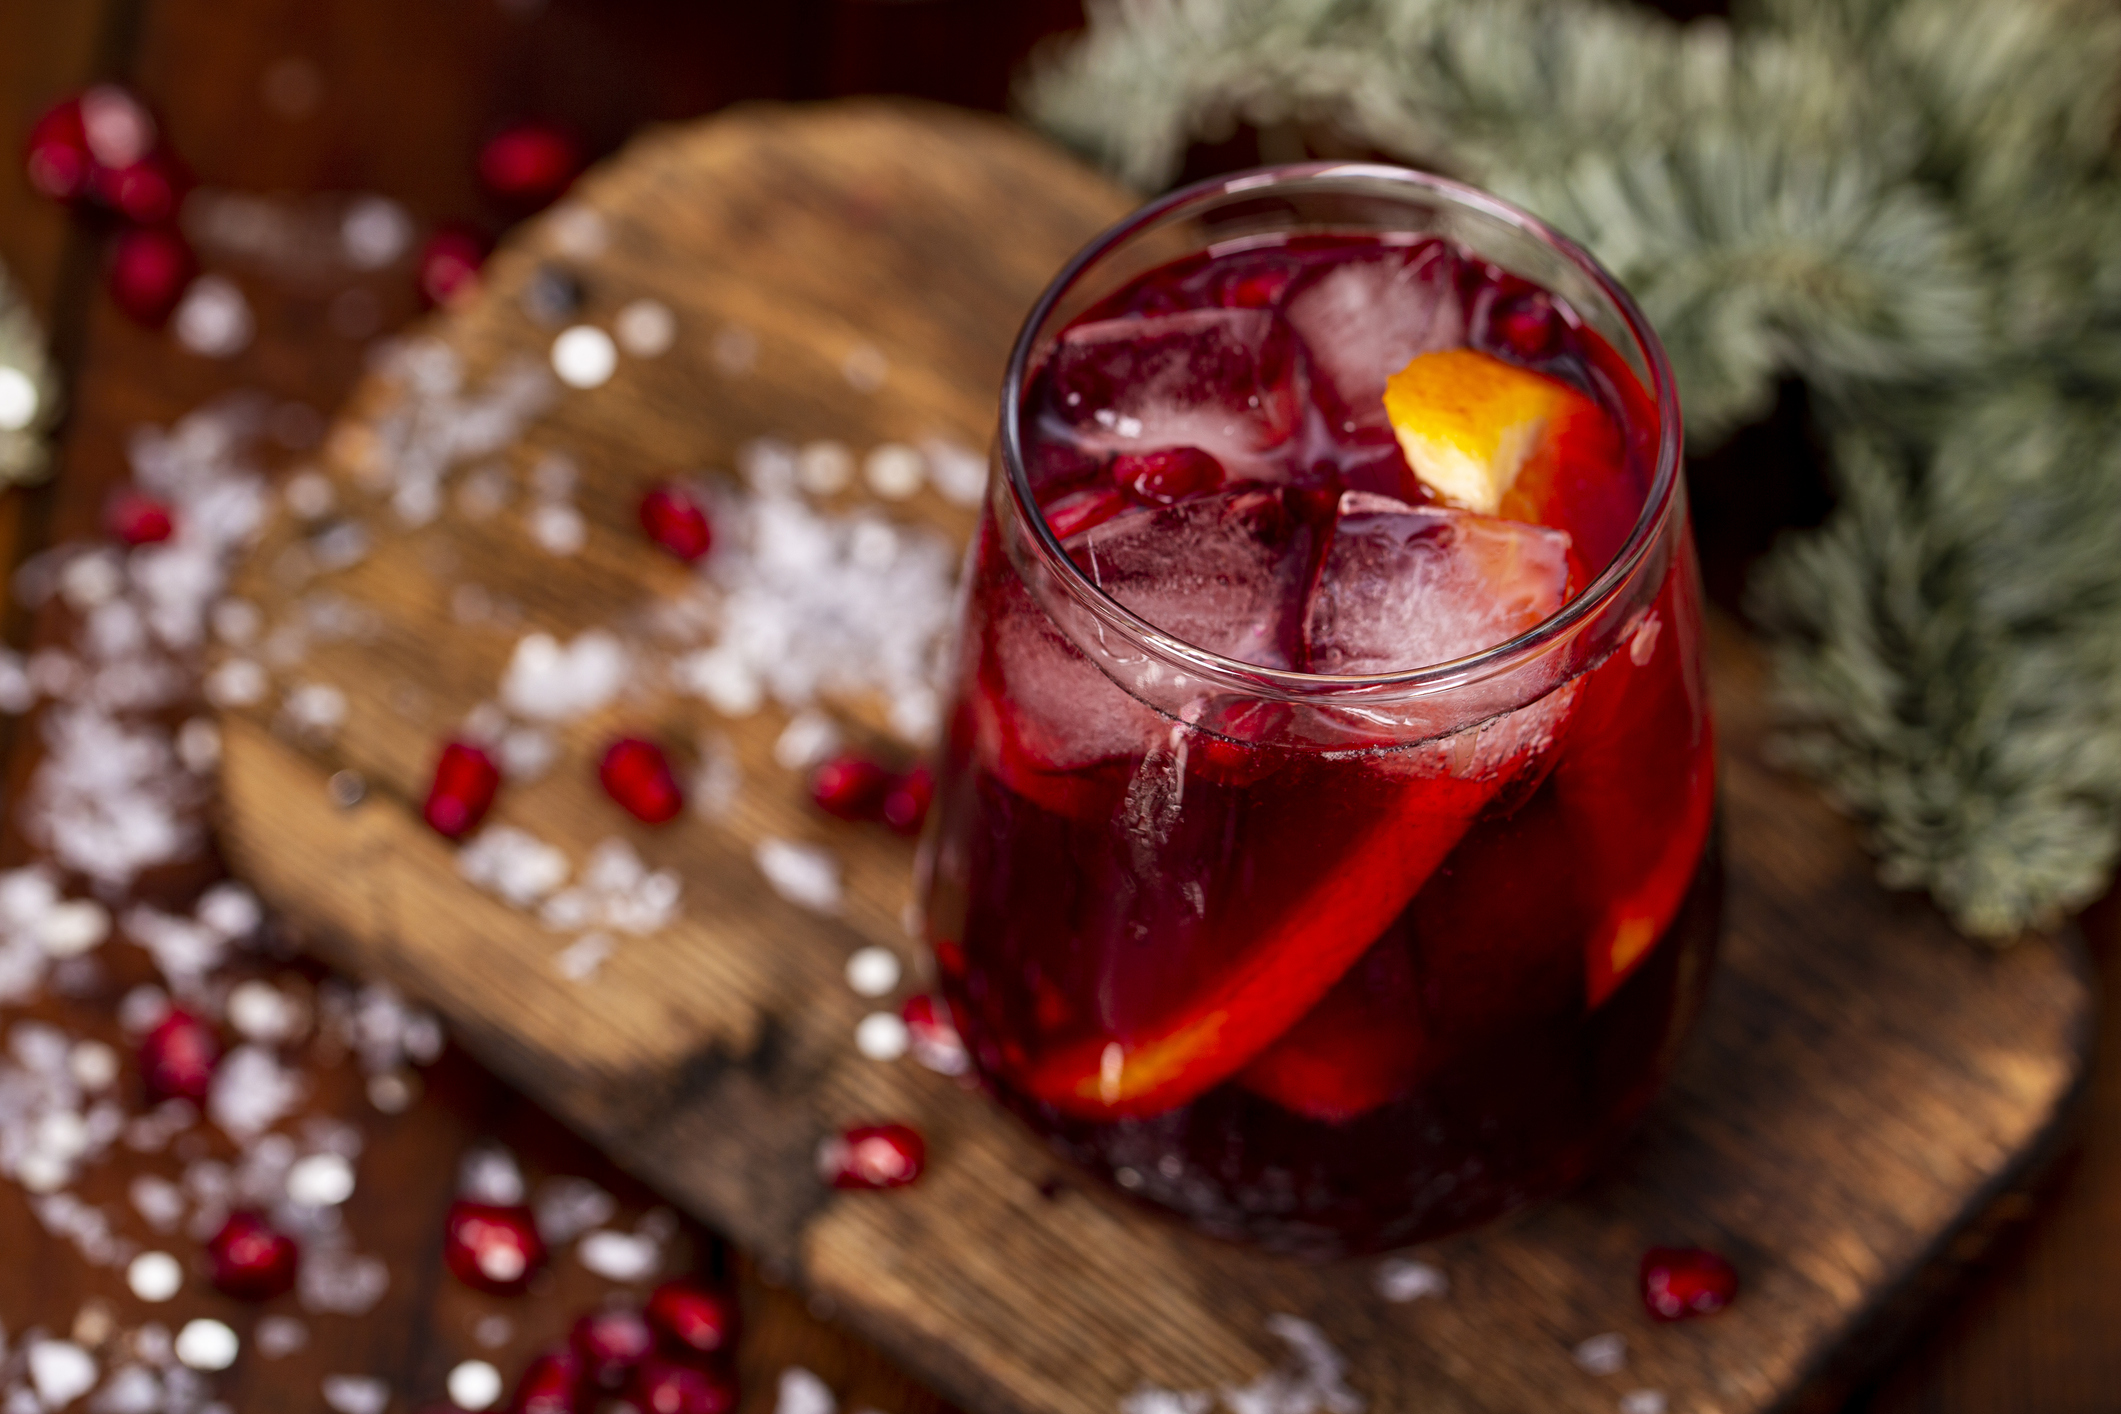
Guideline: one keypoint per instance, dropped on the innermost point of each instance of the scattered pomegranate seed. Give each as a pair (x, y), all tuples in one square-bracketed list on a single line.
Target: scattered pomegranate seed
[(548, 1384), (1168, 474), (449, 264), (932, 1037), (251, 1260), (851, 787), (637, 774), (1679, 1282), (906, 803), (58, 159), (1079, 510), (675, 521), (528, 163), (149, 269), (663, 1386), (692, 1318), (138, 519), (873, 1156), (146, 192), (492, 1247), (177, 1058), (464, 783), (610, 1344)]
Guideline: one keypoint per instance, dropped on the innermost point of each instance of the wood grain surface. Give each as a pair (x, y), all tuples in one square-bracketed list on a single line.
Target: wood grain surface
[(1861, 1083)]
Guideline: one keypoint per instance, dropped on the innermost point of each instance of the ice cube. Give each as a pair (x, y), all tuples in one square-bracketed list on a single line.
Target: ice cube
[(1407, 587), (1362, 320), (1223, 380)]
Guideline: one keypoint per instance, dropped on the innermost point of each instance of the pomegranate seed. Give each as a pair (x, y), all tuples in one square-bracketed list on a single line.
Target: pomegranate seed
[(675, 521), (693, 1318), (449, 264), (464, 782), (610, 1344), (149, 269), (933, 1038), (851, 788), (1527, 326), (491, 1246), (873, 1156), (58, 159), (1079, 510), (906, 803), (1257, 289), (637, 774), (136, 519), (250, 1260), (146, 192), (1679, 1282), (663, 1386), (1167, 474), (177, 1058), (548, 1384), (528, 163)]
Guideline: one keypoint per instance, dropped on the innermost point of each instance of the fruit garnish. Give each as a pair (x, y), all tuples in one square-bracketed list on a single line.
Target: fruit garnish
[(1468, 422), (1361, 1046)]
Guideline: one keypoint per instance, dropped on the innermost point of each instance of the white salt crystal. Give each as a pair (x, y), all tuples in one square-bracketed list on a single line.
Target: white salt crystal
[(16, 694), (881, 1036), (719, 778), (584, 357), (1150, 1400), (320, 1181), (154, 1276), (646, 328), (213, 319), (824, 468), (474, 1385), (578, 232), (281, 1336), (1602, 1354), (722, 679), (335, 1281), (93, 1065), (619, 1256), (199, 745), (865, 368), (61, 1372), (91, 580), (1643, 1401), (251, 1092), (230, 909), (1403, 1279), (873, 971), (18, 399), (808, 738), (567, 1207), (131, 1389), (260, 1012), (309, 494), (72, 928), (894, 470), (527, 753), (157, 1200), (803, 874), (956, 471), (550, 683), (316, 707), (207, 1345), (493, 1331), (356, 1394), (512, 863), (558, 528), (238, 682), (1314, 1378), (374, 232), (801, 1392), (735, 350), (489, 1174)]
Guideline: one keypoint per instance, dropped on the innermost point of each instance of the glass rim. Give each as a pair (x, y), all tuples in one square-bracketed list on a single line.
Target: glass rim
[(1289, 682)]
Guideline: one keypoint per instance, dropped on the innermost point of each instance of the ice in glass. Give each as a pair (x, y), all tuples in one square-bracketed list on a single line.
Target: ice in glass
[(1323, 843)]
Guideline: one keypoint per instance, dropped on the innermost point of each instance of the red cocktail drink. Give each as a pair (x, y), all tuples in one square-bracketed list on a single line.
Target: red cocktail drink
[(1323, 844)]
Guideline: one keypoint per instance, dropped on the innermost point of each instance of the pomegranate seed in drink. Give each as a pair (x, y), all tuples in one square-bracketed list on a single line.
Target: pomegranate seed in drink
[(692, 1318), (1680, 1282), (664, 1386), (1168, 474), (449, 264), (851, 788), (637, 774), (932, 1037), (1076, 512), (905, 806), (250, 1260), (549, 1385), (676, 522), (149, 269), (610, 1344), (177, 1058), (137, 519), (528, 164), (492, 1247), (873, 1156), (462, 791)]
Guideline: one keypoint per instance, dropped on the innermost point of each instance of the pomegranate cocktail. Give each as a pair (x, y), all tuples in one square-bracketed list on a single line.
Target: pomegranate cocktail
[(1323, 840)]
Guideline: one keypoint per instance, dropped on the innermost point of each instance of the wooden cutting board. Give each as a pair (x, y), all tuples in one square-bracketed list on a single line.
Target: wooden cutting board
[(1861, 1086)]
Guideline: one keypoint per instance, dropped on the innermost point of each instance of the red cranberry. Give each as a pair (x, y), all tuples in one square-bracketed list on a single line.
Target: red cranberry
[(906, 803), (663, 1386), (873, 1156), (464, 782), (136, 519), (692, 1318), (1167, 474), (528, 163), (146, 192), (492, 1247), (58, 158), (932, 1036), (851, 787), (149, 269), (1079, 510), (675, 521), (637, 775), (449, 264), (251, 1261), (548, 1384), (177, 1058), (1678, 1282), (610, 1344)]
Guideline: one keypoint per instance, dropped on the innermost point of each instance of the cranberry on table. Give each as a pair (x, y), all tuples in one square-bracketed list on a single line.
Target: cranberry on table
[(149, 270), (662, 1386), (609, 1344), (449, 264), (637, 774), (549, 1384), (692, 1318), (1168, 474), (464, 783), (251, 1260), (492, 1247), (138, 519), (529, 163), (177, 1058), (676, 522), (873, 1156), (1679, 1282), (851, 787)]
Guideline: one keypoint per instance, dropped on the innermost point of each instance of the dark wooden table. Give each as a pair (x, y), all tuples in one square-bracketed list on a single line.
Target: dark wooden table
[(394, 96)]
